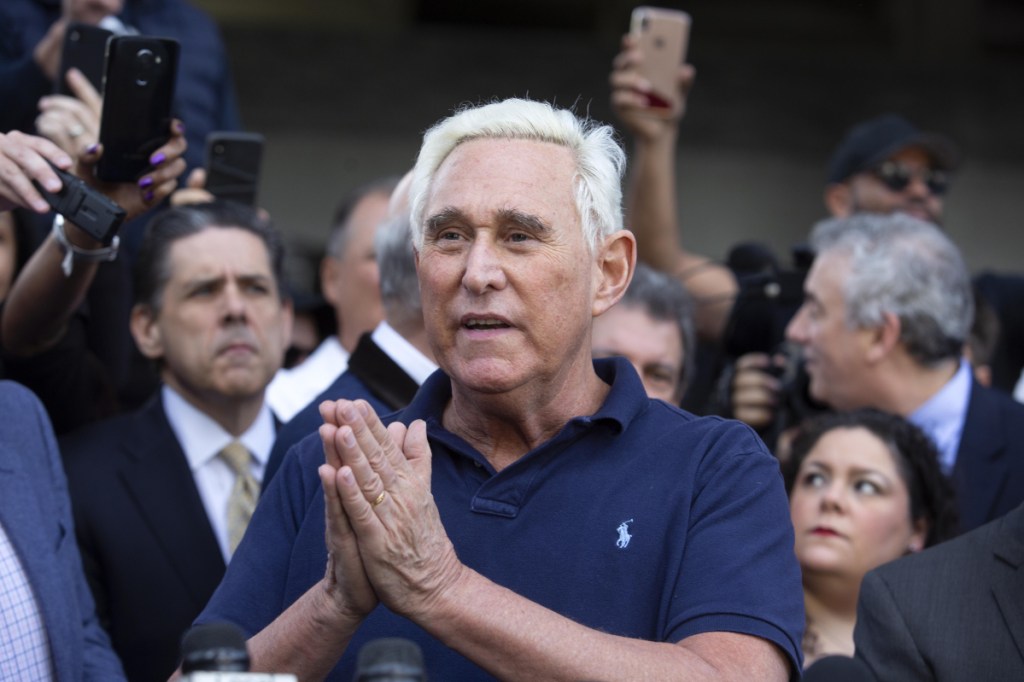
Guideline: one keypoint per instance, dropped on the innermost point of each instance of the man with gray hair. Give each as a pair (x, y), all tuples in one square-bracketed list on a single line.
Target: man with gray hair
[(887, 308), (532, 514), (388, 364)]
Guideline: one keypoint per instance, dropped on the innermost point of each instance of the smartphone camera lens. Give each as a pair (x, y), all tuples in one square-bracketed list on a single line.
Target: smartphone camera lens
[(144, 61)]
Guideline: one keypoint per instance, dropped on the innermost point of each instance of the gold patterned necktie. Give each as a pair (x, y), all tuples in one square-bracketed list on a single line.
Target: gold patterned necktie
[(244, 494)]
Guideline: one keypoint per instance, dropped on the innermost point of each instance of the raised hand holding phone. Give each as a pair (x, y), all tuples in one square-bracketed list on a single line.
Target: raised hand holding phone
[(661, 36), (138, 91)]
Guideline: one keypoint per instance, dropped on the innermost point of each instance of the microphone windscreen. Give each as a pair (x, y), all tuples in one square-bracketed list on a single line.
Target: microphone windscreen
[(216, 647), (838, 669), (390, 659)]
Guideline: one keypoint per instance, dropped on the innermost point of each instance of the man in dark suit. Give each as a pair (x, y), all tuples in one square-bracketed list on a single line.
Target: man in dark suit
[(159, 499), (887, 309), (389, 364), (952, 612), (48, 623)]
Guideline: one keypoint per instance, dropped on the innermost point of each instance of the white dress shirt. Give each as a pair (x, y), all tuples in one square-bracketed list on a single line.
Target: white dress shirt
[(201, 439), (404, 354), (292, 389)]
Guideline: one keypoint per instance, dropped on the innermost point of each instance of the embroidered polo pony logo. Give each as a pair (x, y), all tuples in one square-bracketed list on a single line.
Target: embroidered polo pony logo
[(624, 536)]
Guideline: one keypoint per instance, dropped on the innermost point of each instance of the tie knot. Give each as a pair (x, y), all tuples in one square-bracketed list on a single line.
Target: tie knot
[(237, 457)]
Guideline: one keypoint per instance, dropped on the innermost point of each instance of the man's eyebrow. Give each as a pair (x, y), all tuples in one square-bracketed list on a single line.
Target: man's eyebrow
[(444, 217), (526, 221), (506, 216)]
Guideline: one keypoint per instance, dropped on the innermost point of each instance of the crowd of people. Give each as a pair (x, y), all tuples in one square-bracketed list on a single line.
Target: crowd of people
[(542, 439)]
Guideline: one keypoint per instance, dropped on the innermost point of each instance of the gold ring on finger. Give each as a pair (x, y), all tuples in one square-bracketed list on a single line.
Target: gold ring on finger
[(380, 498)]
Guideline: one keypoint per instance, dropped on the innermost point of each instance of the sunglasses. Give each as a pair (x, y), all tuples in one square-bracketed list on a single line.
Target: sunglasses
[(897, 177)]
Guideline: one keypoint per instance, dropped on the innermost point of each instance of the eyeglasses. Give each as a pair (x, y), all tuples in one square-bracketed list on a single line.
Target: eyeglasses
[(897, 177)]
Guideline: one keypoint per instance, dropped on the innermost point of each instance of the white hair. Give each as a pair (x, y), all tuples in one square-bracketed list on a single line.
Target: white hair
[(599, 157)]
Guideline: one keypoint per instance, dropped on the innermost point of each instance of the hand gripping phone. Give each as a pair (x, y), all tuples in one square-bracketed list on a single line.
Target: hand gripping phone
[(138, 91), (233, 165), (85, 48), (662, 36), (85, 207)]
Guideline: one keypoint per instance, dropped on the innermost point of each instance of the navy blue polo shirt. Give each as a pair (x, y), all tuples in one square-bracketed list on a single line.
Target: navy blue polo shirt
[(640, 520)]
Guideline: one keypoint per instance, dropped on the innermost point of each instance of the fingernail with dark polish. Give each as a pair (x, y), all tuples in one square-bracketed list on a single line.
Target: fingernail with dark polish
[(148, 196), (91, 149), (180, 127), (145, 182), (157, 159)]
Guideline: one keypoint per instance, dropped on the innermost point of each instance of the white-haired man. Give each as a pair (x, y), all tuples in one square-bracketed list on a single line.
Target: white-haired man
[(531, 514)]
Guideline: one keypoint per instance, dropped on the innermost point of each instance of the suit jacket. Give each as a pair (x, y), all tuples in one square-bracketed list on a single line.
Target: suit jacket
[(149, 552), (36, 515), (989, 471), (371, 375), (952, 612)]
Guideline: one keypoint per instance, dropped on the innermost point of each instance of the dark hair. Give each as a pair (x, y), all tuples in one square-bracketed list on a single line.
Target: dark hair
[(915, 455), (338, 237), (151, 269)]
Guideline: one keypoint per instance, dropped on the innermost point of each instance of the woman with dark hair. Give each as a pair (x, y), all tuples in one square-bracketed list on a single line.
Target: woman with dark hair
[(865, 488)]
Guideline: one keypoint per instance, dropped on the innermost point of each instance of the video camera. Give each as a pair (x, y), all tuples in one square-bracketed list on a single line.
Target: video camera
[(769, 296)]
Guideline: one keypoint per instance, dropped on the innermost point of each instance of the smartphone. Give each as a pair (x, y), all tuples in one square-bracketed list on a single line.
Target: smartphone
[(233, 165), (84, 206), (662, 35), (85, 48), (138, 91)]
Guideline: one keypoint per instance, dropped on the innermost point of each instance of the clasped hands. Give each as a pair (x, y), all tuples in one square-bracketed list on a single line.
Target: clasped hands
[(384, 536)]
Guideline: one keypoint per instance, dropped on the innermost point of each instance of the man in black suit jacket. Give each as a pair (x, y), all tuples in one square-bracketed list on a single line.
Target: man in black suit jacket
[(953, 612), (887, 310), (388, 365), (150, 491)]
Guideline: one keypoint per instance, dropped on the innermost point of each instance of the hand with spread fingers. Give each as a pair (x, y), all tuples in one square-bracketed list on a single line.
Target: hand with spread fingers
[(384, 487)]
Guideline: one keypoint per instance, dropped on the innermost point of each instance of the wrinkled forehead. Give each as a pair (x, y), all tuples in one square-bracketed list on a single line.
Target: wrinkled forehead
[(485, 176)]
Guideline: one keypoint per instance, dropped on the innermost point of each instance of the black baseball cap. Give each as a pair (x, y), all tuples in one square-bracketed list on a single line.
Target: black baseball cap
[(870, 143)]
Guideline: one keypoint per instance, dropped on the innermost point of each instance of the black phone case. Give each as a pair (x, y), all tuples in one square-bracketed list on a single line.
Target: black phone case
[(85, 48), (233, 165), (138, 92)]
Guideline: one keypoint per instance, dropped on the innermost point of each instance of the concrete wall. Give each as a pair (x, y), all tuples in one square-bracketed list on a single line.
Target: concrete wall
[(344, 94)]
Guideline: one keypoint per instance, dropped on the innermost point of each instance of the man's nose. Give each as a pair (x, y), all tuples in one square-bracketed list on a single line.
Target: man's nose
[(796, 330), (484, 267), (233, 302)]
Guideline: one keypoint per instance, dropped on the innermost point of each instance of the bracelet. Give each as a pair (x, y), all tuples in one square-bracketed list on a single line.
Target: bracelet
[(73, 253)]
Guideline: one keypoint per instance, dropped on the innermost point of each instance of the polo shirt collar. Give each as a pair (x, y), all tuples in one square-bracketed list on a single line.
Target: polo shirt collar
[(624, 401)]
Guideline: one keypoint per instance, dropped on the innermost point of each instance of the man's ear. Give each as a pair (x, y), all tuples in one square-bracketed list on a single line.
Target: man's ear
[(883, 338), (287, 321), (613, 270), (146, 332), (328, 279), (839, 199)]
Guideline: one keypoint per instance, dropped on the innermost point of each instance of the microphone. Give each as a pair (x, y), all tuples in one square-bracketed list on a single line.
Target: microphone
[(390, 659), (838, 668), (217, 652)]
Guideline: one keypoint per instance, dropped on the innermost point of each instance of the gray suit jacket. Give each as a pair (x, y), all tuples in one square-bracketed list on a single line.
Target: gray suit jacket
[(36, 516), (952, 612)]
